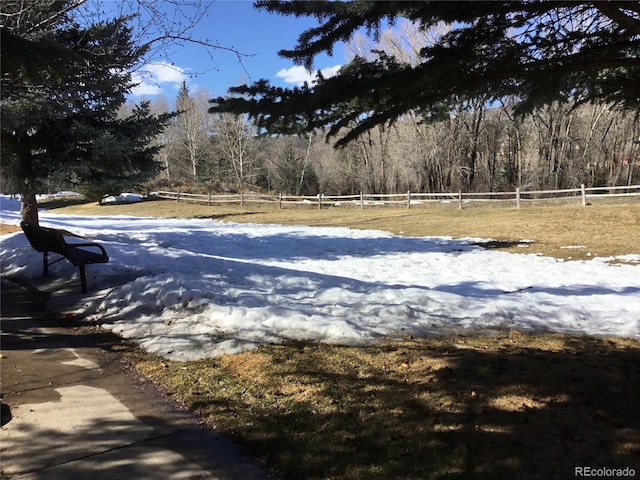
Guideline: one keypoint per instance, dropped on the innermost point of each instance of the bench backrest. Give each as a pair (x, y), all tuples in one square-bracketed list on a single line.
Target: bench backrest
[(44, 239)]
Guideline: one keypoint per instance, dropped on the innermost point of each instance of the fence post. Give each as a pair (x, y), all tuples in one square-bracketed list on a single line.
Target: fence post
[(280, 201), (178, 197), (517, 197), (460, 199), (242, 199), (408, 199), (583, 191), (319, 201), (209, 199), (361, 201)]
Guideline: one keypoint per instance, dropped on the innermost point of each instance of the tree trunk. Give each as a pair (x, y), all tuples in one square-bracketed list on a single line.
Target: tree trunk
[(29, 208)]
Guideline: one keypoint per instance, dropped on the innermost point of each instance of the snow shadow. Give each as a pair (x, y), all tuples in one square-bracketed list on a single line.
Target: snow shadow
[(197, 288), (263, 242)]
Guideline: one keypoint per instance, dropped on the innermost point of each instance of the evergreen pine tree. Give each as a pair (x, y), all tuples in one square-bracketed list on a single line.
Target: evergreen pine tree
[(59, 102), (536, 51)]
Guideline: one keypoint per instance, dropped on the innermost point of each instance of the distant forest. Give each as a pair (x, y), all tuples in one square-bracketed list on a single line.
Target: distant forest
[(478, 148), (481, 146), (475, 143)]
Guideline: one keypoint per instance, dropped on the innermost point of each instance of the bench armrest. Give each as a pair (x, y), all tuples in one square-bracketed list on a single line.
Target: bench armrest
[(87, 244)]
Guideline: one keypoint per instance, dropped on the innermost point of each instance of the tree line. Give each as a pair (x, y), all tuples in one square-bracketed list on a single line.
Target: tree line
[(468, 95), (553, 125), (478, 148), (479, 143)]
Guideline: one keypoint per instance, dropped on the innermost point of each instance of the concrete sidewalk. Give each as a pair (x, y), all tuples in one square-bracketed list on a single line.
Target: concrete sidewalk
[(71, 409)]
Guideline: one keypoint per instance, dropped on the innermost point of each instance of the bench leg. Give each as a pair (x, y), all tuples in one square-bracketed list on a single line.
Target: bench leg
[(83, 279)]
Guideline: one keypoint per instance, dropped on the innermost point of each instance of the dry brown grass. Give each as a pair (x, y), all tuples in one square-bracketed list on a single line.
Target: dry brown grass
[(511, 406), (6, 229)]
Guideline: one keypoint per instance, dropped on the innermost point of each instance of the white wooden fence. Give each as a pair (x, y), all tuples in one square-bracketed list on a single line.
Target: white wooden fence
[(408, 200)]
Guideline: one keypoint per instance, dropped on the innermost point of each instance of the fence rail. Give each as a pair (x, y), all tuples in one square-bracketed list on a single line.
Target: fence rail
[(407, 200)]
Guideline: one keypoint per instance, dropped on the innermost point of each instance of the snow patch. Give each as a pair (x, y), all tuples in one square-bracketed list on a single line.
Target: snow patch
[(196, 288)]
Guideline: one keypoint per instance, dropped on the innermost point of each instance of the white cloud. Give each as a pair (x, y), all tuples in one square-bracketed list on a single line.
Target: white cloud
[(143, 89), (331, 71), (151, 77), (166, 73), (298, 75)]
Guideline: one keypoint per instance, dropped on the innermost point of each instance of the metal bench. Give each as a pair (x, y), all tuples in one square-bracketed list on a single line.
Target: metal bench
[(45, 240)]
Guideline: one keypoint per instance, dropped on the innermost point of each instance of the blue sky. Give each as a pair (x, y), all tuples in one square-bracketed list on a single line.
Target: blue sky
[(234, 24)]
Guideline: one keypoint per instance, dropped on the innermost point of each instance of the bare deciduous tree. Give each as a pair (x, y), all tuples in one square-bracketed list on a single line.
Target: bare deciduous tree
[(236, 140), (193, 127)]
